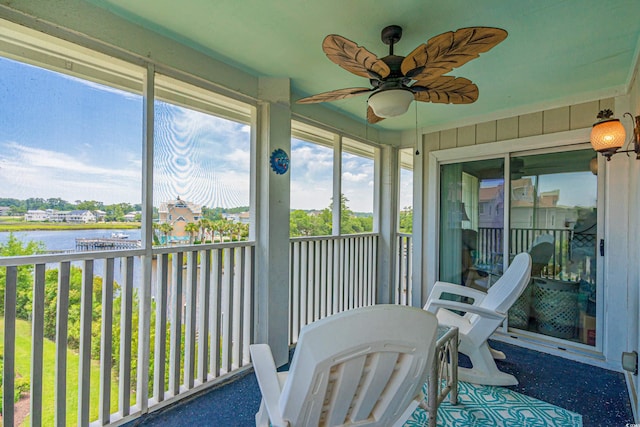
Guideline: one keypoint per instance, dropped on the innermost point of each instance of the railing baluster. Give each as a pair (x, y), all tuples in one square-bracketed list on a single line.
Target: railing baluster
[(294, 318), (304, 283), (238, 299), (160, 347), (8, 370), (203, 315), (227, 308), (247, 307), (311, 282), (216, 313), (124, 392), (37, 343), (86, 316), (176, 324), (322, 259), (106, 342), (62, 322), (190, 319)]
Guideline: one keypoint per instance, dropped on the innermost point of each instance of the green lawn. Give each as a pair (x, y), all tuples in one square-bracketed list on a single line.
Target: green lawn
[(30, 226), (23, 361)]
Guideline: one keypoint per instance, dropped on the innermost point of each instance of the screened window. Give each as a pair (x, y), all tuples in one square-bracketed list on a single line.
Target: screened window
[(202, 152), (70, 144)]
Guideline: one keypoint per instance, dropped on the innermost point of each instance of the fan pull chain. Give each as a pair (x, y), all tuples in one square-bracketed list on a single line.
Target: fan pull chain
[(417, 150)]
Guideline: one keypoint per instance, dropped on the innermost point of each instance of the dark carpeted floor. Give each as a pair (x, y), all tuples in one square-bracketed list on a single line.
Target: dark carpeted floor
[(599, 395)]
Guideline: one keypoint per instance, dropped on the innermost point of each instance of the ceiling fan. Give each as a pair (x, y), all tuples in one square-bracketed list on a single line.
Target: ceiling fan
[(398, 80)]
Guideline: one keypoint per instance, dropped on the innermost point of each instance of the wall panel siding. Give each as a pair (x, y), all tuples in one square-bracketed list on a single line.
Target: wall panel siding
[(466, 136), (530, 124), (507, 128), (448, 138), (556, 120), (584, 115), (486, 132), (432, 141)]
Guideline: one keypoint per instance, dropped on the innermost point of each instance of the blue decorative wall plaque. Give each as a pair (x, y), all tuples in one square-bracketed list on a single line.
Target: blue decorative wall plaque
[(279, 161)]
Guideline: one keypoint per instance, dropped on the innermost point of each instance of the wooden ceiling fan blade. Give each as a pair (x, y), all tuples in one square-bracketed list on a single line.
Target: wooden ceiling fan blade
[(335, 95), (371, 116), (353, 58), (450, 50), (446, 90)]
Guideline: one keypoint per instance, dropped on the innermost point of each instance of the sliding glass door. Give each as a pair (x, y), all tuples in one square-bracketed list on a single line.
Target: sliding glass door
[(551, 201), (553, 216)]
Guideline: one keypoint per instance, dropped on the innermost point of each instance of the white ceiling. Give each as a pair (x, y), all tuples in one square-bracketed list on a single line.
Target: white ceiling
[(558, 52)]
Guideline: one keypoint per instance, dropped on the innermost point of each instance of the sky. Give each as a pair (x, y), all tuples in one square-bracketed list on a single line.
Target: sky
[(76, 140)]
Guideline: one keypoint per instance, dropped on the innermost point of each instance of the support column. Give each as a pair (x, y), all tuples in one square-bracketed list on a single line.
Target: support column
[(271, 213), (386, 210)]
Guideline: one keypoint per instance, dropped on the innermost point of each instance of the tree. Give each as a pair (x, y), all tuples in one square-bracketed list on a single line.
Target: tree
[(14, 247), (406, 220), (192, 228), (166, 229), (204, 225)]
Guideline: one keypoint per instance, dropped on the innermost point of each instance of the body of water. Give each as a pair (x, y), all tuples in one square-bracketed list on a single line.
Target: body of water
[(65, 240)]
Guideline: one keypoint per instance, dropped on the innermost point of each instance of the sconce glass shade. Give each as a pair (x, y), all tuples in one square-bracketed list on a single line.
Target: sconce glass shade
[(608, 136), (390, 102)]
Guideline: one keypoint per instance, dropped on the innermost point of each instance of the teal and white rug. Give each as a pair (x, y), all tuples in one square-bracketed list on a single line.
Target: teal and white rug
[(496, 406)]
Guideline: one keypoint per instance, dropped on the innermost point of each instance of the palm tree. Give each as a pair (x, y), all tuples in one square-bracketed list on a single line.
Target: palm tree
[(166, 229), (204, 225), (191, 228)]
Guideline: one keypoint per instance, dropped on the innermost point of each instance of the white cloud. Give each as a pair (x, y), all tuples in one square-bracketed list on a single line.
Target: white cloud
[(35, 172)]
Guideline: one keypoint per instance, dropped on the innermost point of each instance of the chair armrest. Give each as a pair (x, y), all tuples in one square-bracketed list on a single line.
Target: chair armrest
[(443, 287), (267, 375), (460, 306)]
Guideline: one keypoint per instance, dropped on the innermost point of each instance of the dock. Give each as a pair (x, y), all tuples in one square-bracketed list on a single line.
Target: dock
[(104, 244)]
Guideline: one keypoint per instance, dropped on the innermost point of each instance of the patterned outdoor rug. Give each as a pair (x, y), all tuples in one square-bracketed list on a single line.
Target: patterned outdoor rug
[(496, 406)]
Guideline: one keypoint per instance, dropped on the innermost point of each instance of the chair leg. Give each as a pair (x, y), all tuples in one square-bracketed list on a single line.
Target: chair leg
[(262, 416), (484, 370), (497, 354)]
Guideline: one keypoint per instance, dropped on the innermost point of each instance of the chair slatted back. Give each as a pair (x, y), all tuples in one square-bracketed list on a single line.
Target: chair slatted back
[(359, 366)]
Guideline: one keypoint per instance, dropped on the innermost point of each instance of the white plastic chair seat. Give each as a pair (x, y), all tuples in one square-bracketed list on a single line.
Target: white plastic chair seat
[(480, 318), (363, 367)]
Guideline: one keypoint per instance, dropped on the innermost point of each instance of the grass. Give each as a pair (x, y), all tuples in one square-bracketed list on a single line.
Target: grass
[(23, 368), (30, 226)]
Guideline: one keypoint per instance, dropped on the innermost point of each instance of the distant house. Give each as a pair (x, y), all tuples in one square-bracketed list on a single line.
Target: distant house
[(36, 215), (179, 213), (58, 216), (5, 210), (131, 216), (82, 216), (242, 217), (100, 215)]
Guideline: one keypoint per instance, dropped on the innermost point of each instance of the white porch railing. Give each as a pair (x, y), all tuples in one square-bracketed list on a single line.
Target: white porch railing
[(198, 316), (330, 274), (140, 349)]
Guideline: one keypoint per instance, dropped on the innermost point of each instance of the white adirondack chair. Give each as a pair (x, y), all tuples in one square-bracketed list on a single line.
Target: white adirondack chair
[(363, 367), (480, 318)]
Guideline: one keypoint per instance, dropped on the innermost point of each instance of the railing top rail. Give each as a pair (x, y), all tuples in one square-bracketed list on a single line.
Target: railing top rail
[(70, 256), (95, 255), (201, 247), (341, 237), (405, 234)]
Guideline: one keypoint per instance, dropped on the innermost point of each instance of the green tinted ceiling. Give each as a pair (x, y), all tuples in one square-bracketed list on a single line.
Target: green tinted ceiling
[(557, 52)]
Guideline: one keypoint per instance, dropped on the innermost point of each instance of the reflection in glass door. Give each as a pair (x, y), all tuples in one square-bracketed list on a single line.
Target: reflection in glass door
[(471, 222), (553, 216)]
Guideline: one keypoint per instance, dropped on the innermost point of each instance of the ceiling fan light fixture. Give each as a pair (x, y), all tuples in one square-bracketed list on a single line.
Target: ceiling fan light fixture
[(390, 102)]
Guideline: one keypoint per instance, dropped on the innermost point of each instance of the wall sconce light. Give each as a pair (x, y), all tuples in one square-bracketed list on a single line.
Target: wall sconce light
[(608, 135)]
